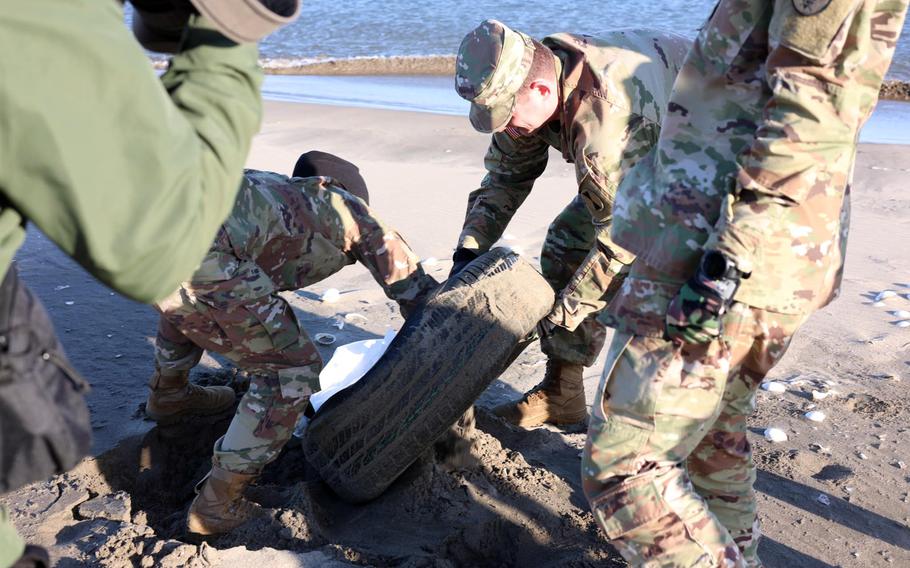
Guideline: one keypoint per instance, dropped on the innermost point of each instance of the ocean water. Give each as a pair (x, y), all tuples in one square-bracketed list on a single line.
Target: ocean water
[(341, 29)]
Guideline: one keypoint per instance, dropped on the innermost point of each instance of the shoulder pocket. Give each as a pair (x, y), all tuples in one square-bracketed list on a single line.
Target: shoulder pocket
[(810, 27)]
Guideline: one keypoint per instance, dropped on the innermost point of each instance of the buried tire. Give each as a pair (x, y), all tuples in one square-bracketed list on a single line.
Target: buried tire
[(443, 358)]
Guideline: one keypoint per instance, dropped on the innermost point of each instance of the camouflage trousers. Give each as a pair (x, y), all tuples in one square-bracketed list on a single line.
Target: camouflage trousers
[(667, 466), (570, 238), (259, 334)]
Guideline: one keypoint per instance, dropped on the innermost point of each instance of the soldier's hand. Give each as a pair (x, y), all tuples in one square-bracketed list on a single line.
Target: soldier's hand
[(461, 258), (695, 314), (158, 24)]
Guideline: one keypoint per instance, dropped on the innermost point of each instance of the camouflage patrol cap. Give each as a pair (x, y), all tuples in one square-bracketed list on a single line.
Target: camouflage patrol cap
[(492, 64)]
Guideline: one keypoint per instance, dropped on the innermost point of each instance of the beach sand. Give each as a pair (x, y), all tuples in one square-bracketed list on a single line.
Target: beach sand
[(836, 493)]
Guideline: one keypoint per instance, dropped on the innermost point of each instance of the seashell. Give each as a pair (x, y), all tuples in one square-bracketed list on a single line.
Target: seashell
[(432, 261), (352, 317), (905, 323), (879, 305), (325, 338), (823, 499), (70, 303), (816, 416), (330, 296), (901, 314), (775, 435), (338, 323), (774, 386), (884, 294), (820, 395)]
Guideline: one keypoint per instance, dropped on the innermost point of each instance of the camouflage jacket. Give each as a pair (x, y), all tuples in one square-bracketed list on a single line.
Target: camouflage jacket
[(613, 91), (287, 233), (756, 154)]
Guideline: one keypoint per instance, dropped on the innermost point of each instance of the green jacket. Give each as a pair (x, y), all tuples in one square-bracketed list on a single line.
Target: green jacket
[(129, 174)]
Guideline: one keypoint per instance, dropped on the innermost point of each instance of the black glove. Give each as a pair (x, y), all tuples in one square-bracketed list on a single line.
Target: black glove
[(696, 314), (460, 259), (159, 24)]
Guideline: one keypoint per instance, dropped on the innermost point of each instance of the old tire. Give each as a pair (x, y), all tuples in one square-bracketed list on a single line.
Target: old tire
[(443, 358)]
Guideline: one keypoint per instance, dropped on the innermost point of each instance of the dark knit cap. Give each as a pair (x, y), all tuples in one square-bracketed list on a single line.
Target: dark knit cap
[(322, 164)]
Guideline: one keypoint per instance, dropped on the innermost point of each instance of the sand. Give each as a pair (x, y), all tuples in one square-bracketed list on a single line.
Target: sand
[(834, 494)]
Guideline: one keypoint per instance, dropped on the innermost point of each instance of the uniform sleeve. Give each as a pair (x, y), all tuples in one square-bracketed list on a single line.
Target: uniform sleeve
[(128, 173), (806, 139), (383, 251), (513, 163)]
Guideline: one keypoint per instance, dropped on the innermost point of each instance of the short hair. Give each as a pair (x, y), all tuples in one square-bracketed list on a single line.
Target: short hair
[(542, 66)]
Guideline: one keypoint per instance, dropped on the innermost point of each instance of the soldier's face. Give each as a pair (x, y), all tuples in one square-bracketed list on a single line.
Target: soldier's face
[(534, 106)]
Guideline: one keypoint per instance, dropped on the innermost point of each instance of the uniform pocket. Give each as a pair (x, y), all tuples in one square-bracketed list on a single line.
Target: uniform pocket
[(592, 186), (810, 27)]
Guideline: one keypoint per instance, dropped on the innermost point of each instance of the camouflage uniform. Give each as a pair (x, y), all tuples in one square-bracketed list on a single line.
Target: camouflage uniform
[(754, 160), (283, 234), (613, 90)]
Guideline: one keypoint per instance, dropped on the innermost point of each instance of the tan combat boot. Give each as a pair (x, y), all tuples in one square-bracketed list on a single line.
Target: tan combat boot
[(219, 505), (174, 396), (558, 399)]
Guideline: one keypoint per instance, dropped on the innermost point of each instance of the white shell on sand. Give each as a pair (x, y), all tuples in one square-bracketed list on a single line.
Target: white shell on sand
[(901, 314), (816, 416), (885, 294), (331, 295), (774, 386), (823, 499), (879, 305), (352, 317), (775, 435), (820, 395), (905, 323), (325, 338)]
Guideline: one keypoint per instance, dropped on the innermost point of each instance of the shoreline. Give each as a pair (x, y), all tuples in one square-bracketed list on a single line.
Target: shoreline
[(430, 66)]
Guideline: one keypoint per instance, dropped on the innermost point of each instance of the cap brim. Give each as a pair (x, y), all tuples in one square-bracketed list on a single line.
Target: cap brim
[(491, 119)]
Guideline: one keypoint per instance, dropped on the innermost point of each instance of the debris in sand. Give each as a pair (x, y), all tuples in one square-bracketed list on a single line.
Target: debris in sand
[(69, 303), (330, 296), (899, 464), (879, 305), (904, 323), (114, 507), (775, 435), (325, 338), (862, 456), (823, 499), (816, 447), (816, 416), (774, 386), (901, 314), (352, 317), (884, 295), (338, 323), (820, 395)]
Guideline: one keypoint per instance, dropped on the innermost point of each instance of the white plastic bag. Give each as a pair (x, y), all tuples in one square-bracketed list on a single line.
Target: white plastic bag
[(349, 363)]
